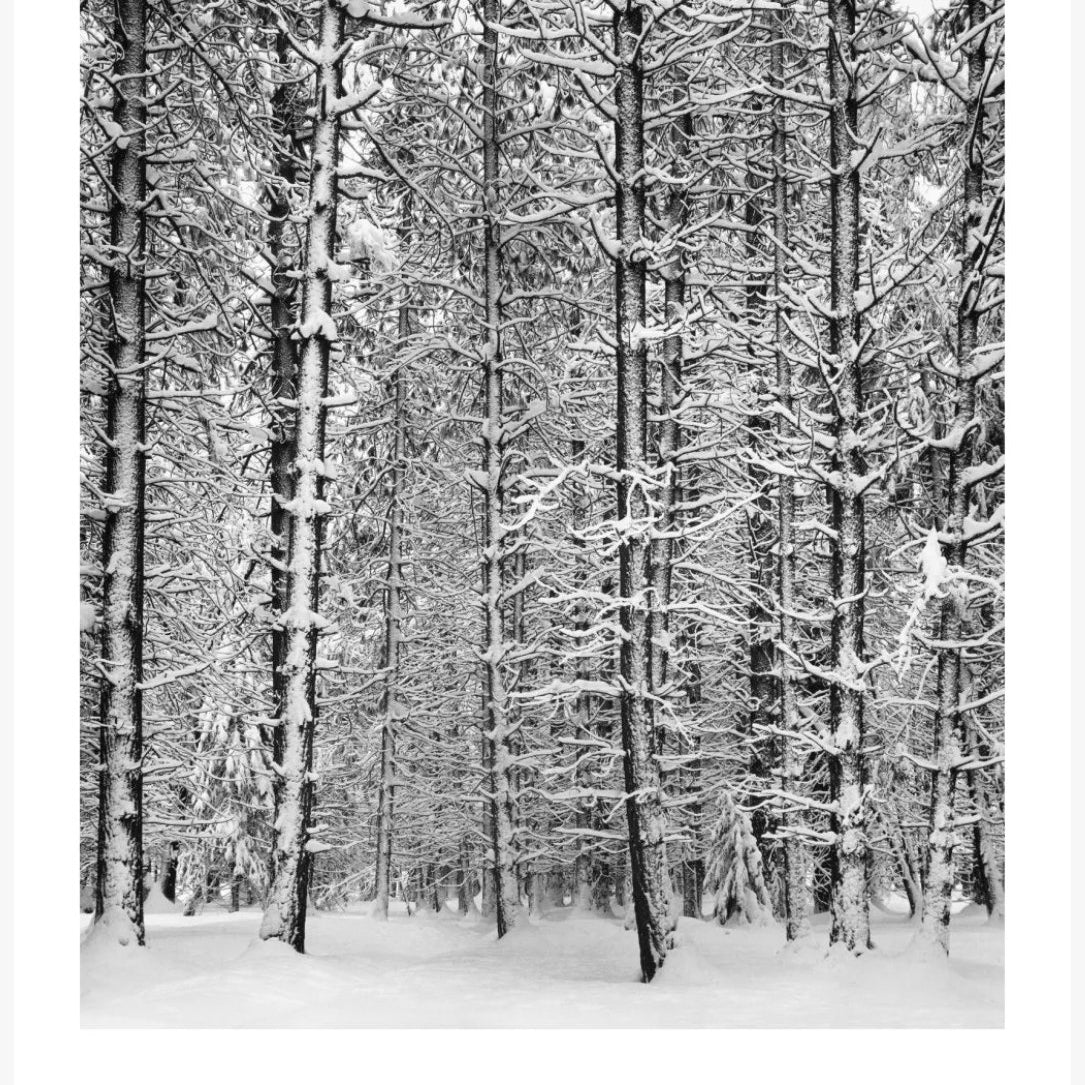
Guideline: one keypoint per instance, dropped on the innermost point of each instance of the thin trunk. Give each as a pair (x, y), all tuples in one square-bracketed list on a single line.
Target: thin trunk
[(672, 395), (466, 891), (536, 893), (759, 520), (169, 873), (500, 725), (585, 815), (284, 367), (850, 851), (693, 864), (119, 889), (284, 915), (662, 556), (693, 872), (486, 868), (909, 873), (393, 634), (516, 619), (789, 758), (644, 802), (433, 881), (986, 873), (950, 736)]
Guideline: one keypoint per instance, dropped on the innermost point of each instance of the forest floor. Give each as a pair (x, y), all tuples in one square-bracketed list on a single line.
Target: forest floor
[(565, 970)]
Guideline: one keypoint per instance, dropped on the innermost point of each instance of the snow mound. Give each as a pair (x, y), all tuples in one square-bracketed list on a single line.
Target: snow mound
[(684, 966), (113, 931), (157, 904), (566, 970), (804, 951), (269, 949), (922, 951)]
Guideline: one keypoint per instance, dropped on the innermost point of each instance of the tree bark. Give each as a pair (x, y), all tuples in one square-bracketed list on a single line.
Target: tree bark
[(284, 366), (950, 730), (759, 521), (393, 617), (500, 725), (284, 914), (850, 851), (119, 888), (796, 921), (466, 889), (986, 873), (672, 394), (585, 871), (644, 801), (169, 873)]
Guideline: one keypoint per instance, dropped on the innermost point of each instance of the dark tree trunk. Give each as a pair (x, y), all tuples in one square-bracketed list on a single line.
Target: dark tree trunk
[(692, 887), (951, 736), (284, 914), (466, 892), (850, 852), (789, 763), (169, 873), (499, 726), (284, 367), (644, 805), (393, 634), (119, 887)]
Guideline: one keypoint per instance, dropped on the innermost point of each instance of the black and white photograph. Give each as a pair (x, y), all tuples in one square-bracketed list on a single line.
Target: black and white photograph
[(543, 515)]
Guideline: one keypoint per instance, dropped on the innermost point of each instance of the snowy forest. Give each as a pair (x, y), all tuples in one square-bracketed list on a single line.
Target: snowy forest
[(542, 498)]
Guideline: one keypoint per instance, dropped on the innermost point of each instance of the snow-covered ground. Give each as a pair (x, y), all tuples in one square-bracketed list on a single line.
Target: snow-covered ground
[(566, 970)]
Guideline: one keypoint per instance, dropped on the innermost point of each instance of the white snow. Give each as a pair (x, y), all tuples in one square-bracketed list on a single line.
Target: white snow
[(568, 969), (366, 240), (933, 566), (320, 323)]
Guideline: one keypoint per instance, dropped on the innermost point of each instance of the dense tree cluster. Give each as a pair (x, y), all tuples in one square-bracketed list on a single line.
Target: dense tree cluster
[(540, 453)]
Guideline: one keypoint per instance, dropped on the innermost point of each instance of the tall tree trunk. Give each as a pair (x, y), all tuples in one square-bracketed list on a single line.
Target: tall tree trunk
[(759, 523), (119, 890), (644, 802), (393, 617), (487, 878), (169, 873), (284, 367), (950, 731), (693, 864), (517, 566), (500, 726), (662, 554), (585, 816), (284, 914), (466, 888), (672, 395), (986, 873), (797, 924), (904, 854), (850, 851)]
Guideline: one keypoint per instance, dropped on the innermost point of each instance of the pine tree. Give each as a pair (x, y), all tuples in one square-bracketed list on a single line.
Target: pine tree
[(644, 804), (119, 894), (284, 914)]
